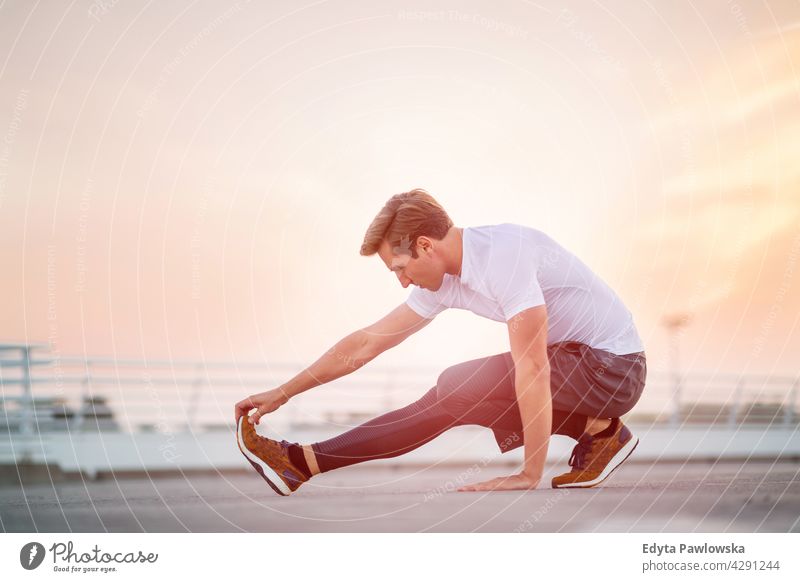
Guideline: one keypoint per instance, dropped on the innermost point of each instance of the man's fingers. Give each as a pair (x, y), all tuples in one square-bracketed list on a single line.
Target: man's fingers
[(510, 483), (243, 407), (266, 405), (484, 485)]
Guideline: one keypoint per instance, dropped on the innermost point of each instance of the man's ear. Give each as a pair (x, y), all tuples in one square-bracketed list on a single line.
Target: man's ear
[(424, 245)]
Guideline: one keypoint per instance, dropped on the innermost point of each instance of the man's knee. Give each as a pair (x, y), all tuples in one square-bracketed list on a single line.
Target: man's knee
[(623, 401), (449, 391)]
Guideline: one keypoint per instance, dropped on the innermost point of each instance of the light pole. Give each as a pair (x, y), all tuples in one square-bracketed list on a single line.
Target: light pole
[(674, 323)]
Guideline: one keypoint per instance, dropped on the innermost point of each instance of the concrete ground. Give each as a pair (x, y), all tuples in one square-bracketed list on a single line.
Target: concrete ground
[(663, 497)]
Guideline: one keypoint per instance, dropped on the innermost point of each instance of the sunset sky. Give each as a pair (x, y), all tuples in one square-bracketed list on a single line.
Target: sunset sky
[(193, 179)]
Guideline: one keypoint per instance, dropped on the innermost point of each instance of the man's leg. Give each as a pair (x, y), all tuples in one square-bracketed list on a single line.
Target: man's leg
[(596, 425), (389, 435), (482, 392), (611, 385), (479, 392)]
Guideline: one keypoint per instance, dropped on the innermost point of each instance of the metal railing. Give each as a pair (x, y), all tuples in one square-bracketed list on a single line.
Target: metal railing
[(41, 393)]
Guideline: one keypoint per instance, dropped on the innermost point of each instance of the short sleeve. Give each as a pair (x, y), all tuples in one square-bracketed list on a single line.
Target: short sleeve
[(514, 282), (425, 303)]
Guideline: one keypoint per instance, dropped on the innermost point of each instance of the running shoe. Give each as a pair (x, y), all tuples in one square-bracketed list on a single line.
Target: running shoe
[(594, 458), (270, 458)]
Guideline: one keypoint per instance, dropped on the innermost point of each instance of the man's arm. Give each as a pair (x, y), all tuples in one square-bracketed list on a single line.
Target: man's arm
[(347, 355), (358, 349), (527, 333)]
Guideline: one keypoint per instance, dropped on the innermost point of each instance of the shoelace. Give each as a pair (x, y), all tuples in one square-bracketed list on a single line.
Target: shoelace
[(577, 459)]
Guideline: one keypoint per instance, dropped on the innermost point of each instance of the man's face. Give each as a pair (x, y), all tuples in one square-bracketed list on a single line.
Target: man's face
[(426, 271)]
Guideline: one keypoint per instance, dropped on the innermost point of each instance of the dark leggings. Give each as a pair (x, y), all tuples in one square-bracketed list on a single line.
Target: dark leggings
[(584, 382)]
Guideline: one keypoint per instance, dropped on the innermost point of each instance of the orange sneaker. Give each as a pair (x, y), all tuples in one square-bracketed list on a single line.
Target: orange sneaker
[(270, 458), (594, 458)]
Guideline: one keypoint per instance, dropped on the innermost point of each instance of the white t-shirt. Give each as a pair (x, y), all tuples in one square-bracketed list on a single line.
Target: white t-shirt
[(507, 268)]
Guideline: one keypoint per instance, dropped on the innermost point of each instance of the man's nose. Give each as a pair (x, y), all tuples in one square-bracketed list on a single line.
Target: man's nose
[(404, 281)]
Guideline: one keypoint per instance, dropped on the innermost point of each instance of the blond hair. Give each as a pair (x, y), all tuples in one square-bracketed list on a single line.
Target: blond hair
[(402, 219)]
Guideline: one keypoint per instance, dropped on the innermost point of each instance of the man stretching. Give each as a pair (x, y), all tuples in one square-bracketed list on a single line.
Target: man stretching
[(576, 362)]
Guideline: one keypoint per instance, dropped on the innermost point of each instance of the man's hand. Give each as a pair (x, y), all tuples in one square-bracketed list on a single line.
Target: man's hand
[(265, 402), (510, 483)]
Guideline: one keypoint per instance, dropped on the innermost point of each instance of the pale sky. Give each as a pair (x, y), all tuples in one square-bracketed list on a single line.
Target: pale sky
[(193, 179)]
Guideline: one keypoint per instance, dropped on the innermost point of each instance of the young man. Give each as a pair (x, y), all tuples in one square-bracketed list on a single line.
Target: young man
[(575, 365)]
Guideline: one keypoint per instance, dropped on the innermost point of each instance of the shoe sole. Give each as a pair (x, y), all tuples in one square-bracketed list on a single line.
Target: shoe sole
[(621, 456), (267, 473)]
